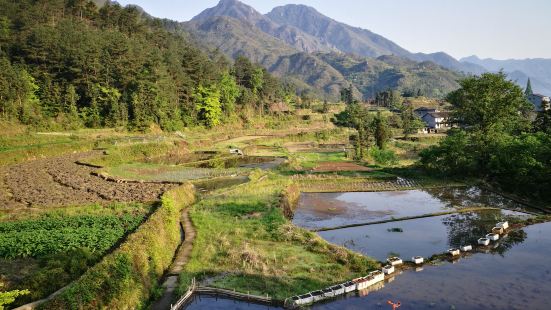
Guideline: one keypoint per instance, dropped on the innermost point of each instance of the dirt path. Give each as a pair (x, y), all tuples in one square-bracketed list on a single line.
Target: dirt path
[(59, 181), (180, 259)]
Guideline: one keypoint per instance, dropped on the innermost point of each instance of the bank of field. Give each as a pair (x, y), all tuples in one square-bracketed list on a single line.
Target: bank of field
[(44, 251), (245, 243)]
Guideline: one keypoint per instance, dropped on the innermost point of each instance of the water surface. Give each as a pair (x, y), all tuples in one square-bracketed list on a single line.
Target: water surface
[(517, 275), (418, 237), (324, 210), (204, 302)]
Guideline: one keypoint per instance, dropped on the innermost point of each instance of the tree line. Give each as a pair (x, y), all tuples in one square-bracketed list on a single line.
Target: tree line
[(502, 140), (69, 64)]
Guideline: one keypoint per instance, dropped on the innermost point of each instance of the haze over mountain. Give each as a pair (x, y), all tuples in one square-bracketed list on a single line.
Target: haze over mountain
[(537, 69), (291, 41)]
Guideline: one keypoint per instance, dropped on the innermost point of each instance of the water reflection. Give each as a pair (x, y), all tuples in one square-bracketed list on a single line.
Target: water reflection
[(200, 302), (322, 210), (421, 237), (519, 279)]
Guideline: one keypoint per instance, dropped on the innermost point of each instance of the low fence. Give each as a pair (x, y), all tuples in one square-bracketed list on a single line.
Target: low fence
[(194, 289)]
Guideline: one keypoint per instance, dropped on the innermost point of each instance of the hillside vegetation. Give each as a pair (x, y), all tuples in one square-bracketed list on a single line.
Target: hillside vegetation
[(69, 64)]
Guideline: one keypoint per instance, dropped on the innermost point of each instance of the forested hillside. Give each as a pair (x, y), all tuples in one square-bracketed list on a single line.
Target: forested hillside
[(69, 64)]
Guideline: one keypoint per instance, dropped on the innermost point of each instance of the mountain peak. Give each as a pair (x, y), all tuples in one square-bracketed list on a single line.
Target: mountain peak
[(231, 8)]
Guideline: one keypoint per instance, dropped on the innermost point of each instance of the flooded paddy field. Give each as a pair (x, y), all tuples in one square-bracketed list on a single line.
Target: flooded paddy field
[(418, 237), (516, 276), (513, 275), (205, 302), (327, 210)]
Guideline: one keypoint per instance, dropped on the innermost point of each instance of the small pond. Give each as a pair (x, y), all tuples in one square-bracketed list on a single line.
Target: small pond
[(326, 210), (418, 237)]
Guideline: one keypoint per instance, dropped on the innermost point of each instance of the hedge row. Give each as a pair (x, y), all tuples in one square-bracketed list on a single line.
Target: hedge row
[(126, 278)]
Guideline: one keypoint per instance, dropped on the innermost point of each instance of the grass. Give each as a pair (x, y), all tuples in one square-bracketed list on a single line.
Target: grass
[(44, 274), (159, 172), (245, 243)]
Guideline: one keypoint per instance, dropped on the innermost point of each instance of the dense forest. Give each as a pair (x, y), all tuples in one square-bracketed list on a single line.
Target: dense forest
[(69, 64)]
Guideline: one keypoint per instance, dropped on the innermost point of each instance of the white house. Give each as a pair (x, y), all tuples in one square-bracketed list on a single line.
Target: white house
[(537, 100), (437, 120), (434, 119)]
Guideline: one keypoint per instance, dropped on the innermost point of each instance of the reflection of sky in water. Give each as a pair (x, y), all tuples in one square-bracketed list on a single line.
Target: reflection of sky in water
[(319, 210), (419, 237), (518, 279), (213, 303)]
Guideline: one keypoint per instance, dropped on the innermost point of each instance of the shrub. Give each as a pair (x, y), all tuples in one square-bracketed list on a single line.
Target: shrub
[(383, 157)]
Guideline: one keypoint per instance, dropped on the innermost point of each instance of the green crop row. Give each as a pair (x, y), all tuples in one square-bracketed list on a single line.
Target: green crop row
[(52, 235), (126, 278)]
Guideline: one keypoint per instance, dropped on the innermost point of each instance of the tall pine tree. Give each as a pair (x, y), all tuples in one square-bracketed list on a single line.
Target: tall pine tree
[(528, 90)]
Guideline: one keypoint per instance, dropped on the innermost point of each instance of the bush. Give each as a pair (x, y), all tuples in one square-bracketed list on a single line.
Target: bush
[(383, 157)]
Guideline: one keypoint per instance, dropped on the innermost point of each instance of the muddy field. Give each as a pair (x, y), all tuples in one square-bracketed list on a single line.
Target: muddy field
[(57, 182)]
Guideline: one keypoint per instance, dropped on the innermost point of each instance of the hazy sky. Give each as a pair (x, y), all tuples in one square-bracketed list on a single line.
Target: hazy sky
[(498, 29)]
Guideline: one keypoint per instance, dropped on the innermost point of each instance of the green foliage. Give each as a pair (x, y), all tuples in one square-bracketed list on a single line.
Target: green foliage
[(55, 234), (208, 105), (490, 103), (7, 298), (229, 92), (113, 66), (383, 157), (411, 123), (127, 277), (493, 145), (528, 90), (347, 95), (359, 118), (381, 130), (543, 119)]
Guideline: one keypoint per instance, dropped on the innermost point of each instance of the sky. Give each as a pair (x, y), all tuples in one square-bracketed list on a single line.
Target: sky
[(499, 29)]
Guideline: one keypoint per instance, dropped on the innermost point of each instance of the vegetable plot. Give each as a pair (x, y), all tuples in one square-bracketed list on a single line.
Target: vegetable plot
[(57, 234)]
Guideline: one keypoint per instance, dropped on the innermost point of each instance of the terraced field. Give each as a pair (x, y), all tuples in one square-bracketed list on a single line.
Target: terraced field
[(60, 181)]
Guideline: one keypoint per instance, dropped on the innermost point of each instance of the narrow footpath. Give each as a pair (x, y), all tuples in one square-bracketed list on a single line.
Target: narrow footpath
[(181, 258)]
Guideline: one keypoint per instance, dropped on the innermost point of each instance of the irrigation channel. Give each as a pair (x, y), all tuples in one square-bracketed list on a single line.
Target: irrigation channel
[(510, 273)]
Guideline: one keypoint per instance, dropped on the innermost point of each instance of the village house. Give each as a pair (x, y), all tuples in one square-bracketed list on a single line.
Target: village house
[(435, 120), (538, 100)]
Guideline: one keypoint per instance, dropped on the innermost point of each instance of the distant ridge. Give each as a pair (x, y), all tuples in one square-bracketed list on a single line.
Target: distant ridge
[(298, 43)]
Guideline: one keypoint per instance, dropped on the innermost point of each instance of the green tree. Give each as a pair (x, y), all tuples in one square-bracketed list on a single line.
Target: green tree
[(381, 130), (347, 95), (411, 123), (543, 119), (357, 117), (70, 106), (528, 90), (229, 92), (209, 106), (490, 103)]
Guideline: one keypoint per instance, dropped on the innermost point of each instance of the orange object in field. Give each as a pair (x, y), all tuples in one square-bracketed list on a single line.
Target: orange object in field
[(395, 305)]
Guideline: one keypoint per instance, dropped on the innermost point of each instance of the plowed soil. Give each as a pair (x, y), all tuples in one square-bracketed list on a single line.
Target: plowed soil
[(58, 182), (340, 166)]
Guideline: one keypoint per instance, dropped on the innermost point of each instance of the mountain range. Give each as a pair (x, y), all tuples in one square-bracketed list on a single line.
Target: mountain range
[(322, 55)]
